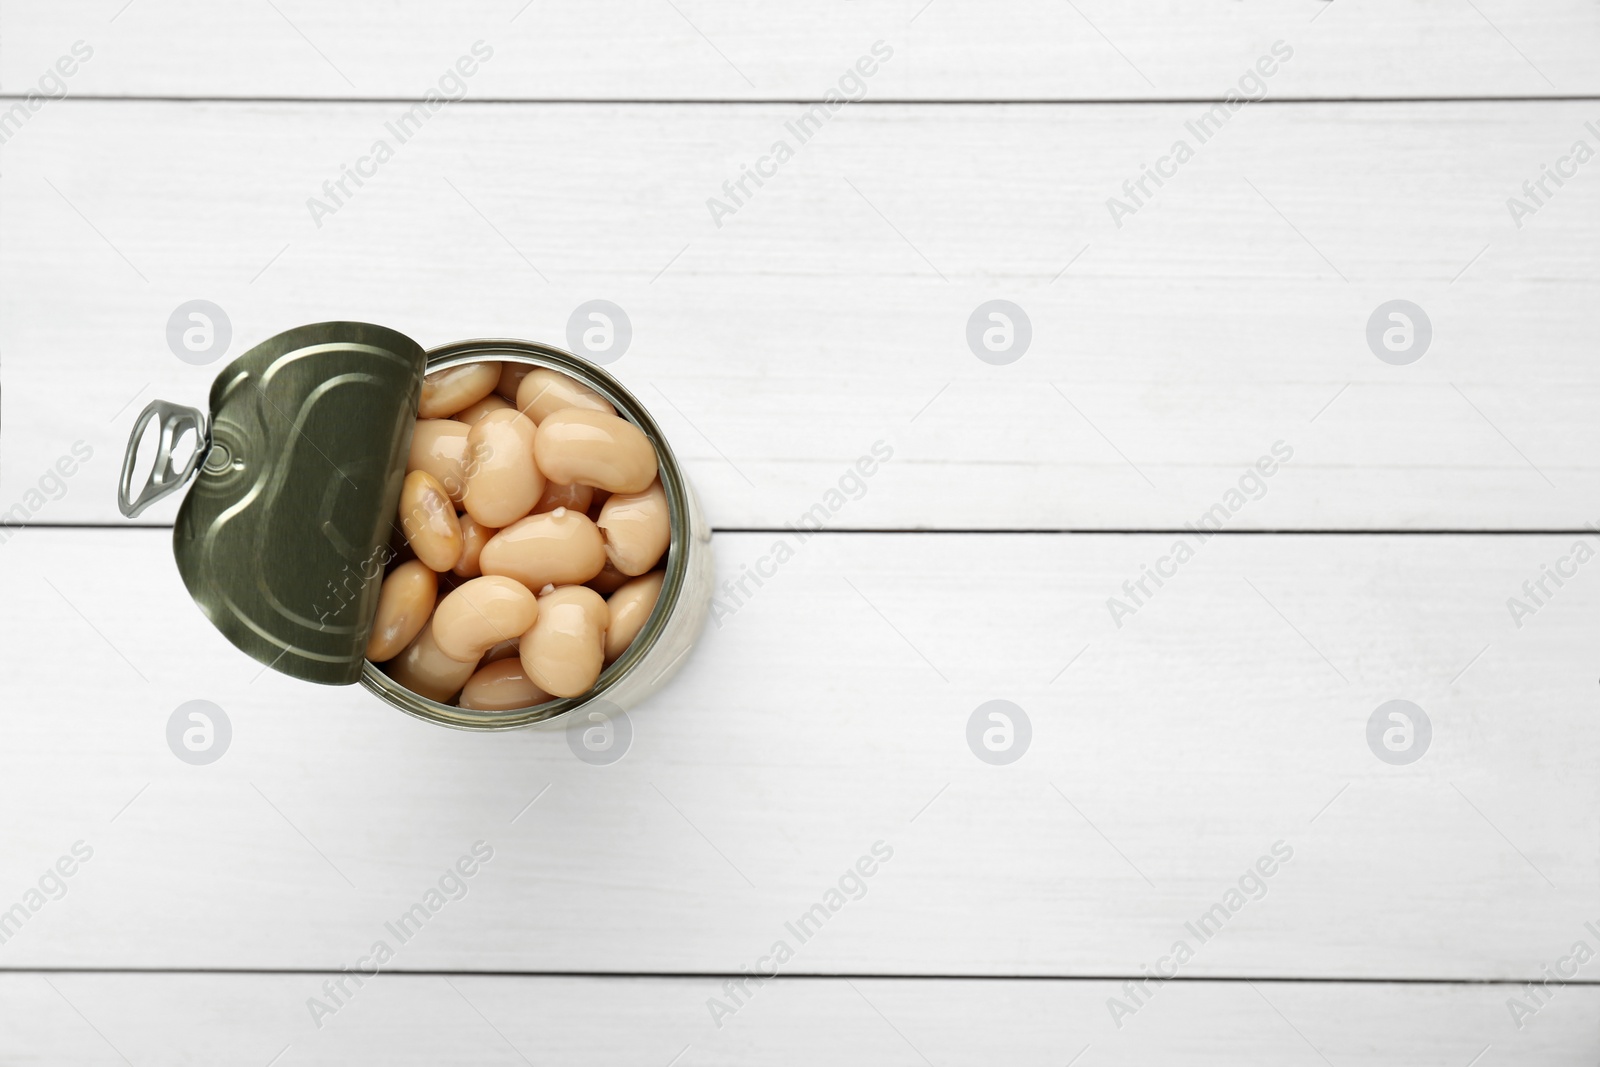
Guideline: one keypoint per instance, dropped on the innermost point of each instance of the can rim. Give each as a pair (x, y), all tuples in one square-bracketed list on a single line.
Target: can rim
[(538, 354)]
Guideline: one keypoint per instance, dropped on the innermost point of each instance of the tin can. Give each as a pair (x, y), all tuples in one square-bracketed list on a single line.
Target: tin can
[(297, 469)]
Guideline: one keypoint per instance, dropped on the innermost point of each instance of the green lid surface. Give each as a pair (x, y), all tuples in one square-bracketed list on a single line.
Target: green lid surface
[(283, 537)]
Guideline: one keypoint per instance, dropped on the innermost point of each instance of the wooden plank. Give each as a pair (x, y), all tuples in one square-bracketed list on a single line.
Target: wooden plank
[(828, 713), (401, 1019), (831, 310), (719, 49)]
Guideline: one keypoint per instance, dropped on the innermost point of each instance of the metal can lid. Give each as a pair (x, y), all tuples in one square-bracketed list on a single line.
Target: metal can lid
[(283, 538)]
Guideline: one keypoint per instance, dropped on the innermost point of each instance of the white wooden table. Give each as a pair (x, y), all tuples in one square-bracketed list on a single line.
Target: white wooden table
[(1174, 741)]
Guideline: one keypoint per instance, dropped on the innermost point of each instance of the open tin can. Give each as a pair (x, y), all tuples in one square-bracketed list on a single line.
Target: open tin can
[(297, 469)]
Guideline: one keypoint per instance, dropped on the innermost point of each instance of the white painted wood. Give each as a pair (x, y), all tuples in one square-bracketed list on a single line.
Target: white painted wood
[(828, 713), (719, 49), (400, 1019), (828, 716), (1169, 356)]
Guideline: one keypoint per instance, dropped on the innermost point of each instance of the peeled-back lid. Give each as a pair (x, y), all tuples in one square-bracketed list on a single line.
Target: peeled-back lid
[(283, 537)]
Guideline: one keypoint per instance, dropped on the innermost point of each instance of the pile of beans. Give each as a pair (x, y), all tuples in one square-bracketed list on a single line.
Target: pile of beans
[(533, 524)]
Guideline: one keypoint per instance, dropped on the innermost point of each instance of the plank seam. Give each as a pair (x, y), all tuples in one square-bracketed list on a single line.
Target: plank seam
[(807, 976), (1291, 101)]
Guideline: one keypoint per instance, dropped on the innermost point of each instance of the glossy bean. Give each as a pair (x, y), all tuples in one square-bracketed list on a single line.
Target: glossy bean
[(501, 650), (503, 482), (429, 521), (543, 391), (404, 603), (608, 581), (481, 614), (637, 529), (474, 535), (564, 651), (556, 495), (560, 547), (445, 392), (629, 608), (439, 446), (501, 686), (492, 402), (591, 447), (425, 670), (511, 375)]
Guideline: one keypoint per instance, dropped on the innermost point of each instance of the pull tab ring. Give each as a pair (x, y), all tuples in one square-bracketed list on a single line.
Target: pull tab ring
[(164, 477)]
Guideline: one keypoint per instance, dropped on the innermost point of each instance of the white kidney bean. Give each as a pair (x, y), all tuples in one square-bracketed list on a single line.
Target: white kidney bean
[(482, 613), (445, 392), (427, 671), (573, 497), (492, 402), (637, 528), (560, 547), (629, 608), (439, 446), (543, 391), (575, 445), (429, 521), (501, 650), (503, 481), (474, 535), (404, 602), (564, 651), (511, 375), (501, 686), (608, 581)]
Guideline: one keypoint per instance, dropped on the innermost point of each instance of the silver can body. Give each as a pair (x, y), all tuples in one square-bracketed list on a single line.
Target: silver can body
[(674, 626)]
